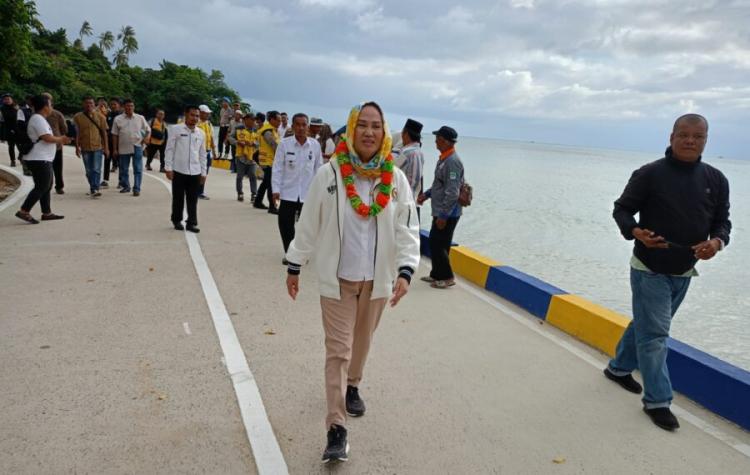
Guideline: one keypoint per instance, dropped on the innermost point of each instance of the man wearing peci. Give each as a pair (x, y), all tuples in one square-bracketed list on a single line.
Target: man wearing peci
[(683, 208), (186, 164)]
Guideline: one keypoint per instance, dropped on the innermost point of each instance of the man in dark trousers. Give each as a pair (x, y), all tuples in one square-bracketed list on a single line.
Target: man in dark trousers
[(8, 114), (683, 208), (446, 211), (186, 164)]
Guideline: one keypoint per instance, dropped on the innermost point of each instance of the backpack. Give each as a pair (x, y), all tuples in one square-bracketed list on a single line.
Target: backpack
[(465, 194), (23, 141)]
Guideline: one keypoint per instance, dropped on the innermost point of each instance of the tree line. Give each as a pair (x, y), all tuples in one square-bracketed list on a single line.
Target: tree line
[(38, 60)]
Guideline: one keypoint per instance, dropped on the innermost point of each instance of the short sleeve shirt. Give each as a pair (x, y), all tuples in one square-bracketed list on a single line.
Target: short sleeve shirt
[(130, 132), (42, 151), (89, 136)]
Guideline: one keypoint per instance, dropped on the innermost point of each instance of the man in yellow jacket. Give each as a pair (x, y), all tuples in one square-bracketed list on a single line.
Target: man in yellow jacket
[(208, 130), (247, 144), (268, 137)]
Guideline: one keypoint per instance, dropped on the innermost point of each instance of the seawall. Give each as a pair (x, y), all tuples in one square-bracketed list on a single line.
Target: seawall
[(713, 383)]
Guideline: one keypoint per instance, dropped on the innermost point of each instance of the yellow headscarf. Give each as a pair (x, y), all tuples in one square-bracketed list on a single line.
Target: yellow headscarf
[(370, 169)]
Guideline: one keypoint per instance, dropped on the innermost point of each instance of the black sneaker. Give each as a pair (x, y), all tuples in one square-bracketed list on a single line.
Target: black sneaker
[(178, 226), (663, 417), (337, 449), (124, 190), (355, 406), (192, 228), (260, 206), (104, 184), (240, 197), (627, 381)]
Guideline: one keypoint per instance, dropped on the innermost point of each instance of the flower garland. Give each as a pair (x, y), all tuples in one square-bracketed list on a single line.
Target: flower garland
[(347, 174)]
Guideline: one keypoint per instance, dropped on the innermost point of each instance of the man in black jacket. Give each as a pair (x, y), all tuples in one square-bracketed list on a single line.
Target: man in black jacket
[(683, 207)]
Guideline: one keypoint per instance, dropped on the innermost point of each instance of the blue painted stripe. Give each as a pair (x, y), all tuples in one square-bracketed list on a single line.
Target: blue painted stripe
[(715, 384), (526, 291)]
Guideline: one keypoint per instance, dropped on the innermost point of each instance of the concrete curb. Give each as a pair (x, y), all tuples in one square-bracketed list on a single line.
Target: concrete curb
[(715, 384)]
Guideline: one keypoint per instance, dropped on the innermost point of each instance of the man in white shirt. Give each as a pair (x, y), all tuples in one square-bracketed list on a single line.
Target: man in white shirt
[(186, 164), (129, 130), (39, 161), (296, 161), (284, 125), (411, 159)]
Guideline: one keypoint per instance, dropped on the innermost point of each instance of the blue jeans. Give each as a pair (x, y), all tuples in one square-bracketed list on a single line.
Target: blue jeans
[(92, 162), (137, 158), (656, 298)]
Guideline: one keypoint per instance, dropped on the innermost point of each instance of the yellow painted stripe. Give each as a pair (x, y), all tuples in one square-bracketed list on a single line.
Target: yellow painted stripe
[(221, 164), (471, 265), (587, 321)]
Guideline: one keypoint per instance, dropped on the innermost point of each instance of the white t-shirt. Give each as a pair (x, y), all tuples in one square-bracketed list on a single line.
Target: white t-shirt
[(330, 147), (42, 151)]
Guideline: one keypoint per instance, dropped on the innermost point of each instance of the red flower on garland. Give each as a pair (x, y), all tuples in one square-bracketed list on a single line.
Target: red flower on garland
[(363, 209), (351, 191), (386, 178), (347, 169), (382, 199)]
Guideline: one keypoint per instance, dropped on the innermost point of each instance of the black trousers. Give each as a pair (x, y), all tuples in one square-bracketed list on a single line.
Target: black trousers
[(287, 217), (185, 188), (440, 246), (265, 187), (57, 167), (151, 152), (42, 173), (223, 131), (12, 150)]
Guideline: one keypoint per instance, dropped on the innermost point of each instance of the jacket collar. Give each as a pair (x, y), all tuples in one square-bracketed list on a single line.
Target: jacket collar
[(669, 155)]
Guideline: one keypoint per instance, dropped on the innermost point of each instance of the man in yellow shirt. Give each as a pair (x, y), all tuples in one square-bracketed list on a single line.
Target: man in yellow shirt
[(157, 141), (247, 144), (208, 130), (268, 138)]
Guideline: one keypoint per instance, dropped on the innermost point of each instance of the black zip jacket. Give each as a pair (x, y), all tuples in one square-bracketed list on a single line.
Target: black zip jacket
[(683, 202)]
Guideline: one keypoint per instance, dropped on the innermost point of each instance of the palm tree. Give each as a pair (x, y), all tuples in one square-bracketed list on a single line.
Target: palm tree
[(130, 45), (85, 30), (106, 41), (126, 32), (120, 58)]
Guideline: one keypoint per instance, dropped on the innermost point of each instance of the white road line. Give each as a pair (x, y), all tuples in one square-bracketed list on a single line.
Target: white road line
[(701, 424), (186, 327), (26, 185), (266, 450)]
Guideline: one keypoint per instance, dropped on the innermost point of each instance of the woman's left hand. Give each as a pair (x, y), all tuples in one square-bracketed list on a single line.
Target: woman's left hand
[(399, 290)]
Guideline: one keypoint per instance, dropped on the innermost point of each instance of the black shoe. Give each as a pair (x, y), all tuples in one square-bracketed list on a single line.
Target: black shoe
[(203, 197), (136, 193), (337, 449), (178, 226), (124, 190), (59, 191), (273, 211), (192, 228), (240, 197), (663, 417), (260, 206), (13, 164), (51, 217), (627, 381), (26, 217), (284, 262), (104, 184), (355, 406)]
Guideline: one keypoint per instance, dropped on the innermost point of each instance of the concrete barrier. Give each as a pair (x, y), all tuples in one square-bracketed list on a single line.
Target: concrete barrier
[(591, 323), (522, 289), (715, 384), (471, 265)]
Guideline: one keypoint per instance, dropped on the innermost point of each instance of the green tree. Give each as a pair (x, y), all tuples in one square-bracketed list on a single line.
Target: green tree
[(19, 19), (106, 41), (85, 30)]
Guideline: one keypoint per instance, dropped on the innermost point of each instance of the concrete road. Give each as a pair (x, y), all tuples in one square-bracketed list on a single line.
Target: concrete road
[(111, 363)]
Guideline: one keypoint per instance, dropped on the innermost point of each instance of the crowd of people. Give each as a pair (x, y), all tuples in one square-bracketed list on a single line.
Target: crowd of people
[(344, 199)]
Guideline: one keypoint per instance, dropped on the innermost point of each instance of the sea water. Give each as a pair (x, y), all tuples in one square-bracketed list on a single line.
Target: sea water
[(547, 211)]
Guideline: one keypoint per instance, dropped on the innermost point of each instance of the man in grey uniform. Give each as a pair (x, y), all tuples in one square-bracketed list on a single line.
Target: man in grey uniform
[(446, 211)]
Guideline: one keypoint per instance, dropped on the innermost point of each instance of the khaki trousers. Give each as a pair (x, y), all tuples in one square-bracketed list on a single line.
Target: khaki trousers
[(348, 324)]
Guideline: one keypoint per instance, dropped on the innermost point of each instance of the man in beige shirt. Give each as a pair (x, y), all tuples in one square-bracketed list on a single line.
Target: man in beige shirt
[(129, 132), (91, 142), (59, 128)]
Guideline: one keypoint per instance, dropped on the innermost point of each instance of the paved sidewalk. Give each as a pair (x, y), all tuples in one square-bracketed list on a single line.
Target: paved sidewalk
[(111, 363)]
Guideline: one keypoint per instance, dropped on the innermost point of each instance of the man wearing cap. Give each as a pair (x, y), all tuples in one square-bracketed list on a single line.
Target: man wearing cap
[(316, 125), (446, 187), (208, 130), (225, 118), (411, 160), (8, 114)]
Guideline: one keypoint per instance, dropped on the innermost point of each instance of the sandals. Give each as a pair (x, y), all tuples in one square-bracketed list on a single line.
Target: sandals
[(26, 217), (427, 278), (443, 284)]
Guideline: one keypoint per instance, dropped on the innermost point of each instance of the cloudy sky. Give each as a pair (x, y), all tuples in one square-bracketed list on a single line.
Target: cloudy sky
[(601, 73)]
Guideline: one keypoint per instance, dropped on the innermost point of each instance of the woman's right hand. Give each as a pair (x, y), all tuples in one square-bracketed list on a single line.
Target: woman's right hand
[(292, 285)]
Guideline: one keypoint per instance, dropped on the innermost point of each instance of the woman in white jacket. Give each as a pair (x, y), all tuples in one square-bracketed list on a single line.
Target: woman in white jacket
[(360, 224)]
